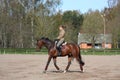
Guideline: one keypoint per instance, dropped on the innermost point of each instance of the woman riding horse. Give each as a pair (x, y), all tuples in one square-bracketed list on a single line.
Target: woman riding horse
[(60, 38), (71, 50)]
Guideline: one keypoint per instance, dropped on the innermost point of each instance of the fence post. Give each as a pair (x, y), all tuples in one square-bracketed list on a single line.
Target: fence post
[(104, 51), (4, 52)]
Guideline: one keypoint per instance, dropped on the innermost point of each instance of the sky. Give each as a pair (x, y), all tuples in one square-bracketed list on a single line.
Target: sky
[(83, 5)]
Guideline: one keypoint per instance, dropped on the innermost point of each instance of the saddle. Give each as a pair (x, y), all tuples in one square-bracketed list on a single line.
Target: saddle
[(60, 46)]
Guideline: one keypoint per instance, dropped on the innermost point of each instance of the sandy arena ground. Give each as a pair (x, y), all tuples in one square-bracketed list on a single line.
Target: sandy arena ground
[(30, 67)]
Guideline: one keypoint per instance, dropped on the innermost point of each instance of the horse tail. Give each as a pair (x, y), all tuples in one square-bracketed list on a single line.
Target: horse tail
[(80, 57)]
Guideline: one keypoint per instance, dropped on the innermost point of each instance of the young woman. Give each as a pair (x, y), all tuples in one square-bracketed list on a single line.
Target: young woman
[(60, 38)]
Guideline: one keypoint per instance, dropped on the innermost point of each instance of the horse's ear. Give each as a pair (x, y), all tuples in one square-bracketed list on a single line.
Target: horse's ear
[(37, 39)]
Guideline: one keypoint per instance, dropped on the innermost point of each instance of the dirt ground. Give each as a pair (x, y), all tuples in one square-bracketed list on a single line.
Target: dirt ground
[(30, 67)]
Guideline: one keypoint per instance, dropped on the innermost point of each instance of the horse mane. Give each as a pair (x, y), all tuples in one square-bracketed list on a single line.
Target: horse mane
[(45, 38)]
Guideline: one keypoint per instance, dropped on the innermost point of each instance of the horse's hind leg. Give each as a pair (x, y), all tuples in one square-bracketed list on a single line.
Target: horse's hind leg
[(54, 60), (81, 67), (69, 63), (79, 61)]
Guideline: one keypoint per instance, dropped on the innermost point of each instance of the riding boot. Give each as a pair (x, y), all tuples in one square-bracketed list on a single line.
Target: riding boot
[(59, 51)]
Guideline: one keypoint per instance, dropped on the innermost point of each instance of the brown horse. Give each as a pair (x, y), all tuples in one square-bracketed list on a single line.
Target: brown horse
[(71, 50)]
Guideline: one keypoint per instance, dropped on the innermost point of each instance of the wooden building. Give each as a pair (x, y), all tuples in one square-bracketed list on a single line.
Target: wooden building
[(85, 41)]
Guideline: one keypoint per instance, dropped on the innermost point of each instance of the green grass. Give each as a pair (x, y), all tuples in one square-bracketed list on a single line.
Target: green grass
[(22, 51), (45, 51), (100, 52)]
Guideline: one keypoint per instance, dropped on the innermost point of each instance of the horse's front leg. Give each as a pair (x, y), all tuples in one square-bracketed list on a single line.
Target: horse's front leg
[(69, 63), (46, 67), (54, 60)]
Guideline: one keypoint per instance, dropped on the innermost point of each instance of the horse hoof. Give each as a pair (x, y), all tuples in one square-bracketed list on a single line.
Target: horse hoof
[(60, 70), (64, 71), (44, 71), (81, 71)]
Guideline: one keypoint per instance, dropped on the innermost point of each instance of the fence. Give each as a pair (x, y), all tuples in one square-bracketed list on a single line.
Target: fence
[(101, 52), (22, 51), (44, 51)]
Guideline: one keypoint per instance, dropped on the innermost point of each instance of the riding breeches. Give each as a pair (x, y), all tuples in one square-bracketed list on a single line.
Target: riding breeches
[(60, 42)]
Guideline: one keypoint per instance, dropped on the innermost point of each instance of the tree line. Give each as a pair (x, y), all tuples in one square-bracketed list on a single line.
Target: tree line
[(24, 21), (103, 22)]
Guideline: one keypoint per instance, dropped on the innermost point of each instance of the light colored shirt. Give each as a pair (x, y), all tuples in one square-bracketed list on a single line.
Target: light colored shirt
[(61, 34)]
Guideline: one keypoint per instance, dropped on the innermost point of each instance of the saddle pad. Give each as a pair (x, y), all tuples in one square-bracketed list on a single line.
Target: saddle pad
[(64, 43)]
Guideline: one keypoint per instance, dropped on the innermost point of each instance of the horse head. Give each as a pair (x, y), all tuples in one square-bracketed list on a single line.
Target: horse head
[(40, 43), (43, 42)]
